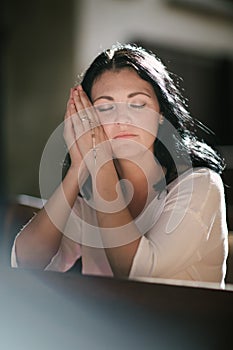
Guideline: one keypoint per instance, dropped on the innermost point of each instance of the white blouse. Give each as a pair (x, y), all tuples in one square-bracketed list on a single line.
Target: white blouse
[(184, 234)]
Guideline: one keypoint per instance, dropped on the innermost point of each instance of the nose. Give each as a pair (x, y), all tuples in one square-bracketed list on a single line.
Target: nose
[(122, 115)]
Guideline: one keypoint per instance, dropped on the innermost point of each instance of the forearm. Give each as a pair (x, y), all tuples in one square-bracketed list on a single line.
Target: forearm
[(115, 225), (40, 239), (120, 257)]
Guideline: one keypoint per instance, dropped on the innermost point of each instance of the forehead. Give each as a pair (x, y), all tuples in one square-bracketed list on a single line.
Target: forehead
[(114, 81)]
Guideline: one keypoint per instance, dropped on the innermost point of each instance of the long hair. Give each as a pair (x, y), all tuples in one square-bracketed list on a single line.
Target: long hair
[(180, 145)]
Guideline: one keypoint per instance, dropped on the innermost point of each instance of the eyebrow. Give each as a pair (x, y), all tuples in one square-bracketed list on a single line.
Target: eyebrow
[(139, 93), (129, 96)]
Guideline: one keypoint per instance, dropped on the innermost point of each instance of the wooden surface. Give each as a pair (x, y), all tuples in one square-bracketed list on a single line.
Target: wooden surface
[(48, 310)]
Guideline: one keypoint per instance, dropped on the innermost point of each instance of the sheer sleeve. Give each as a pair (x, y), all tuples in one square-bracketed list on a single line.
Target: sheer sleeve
[(70, 249), (191, 225)]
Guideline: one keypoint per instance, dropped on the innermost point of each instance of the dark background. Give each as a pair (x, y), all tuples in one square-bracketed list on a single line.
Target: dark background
[(38, 56)]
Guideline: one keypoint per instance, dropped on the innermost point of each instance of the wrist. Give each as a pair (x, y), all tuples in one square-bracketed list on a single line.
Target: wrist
[(78, 172), (105, 182)]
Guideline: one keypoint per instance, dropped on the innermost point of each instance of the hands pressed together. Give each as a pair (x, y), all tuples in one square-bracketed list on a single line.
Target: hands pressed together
[(83, 132), (90, 147)]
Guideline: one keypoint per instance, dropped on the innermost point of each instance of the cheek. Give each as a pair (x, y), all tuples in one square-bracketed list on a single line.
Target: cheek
[(148, 138), (148, 122), (149, 131)]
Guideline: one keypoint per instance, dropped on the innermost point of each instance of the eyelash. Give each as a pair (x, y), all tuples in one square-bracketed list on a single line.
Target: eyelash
[(105, 108), (138, 106), (108, 108)]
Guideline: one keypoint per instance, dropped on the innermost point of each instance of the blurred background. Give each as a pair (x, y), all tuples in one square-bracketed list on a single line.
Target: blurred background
[(46, 44)]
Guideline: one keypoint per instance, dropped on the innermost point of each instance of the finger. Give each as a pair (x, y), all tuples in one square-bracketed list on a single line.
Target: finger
[(70, 99), (68, 133), (83, 97), (82, 120), (97, 130), (77, 100), (80, 125), (83, 103), (69, 112), (91, 112), (72, 112)]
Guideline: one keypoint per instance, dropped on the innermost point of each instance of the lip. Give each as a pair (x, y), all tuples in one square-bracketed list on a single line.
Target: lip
[(124, 136)]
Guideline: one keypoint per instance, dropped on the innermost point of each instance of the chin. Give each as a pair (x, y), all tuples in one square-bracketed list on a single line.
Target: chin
[(127, 148)]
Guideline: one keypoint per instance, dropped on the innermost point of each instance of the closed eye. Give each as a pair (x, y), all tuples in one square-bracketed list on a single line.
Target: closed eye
[(104, 108), (137, 105)]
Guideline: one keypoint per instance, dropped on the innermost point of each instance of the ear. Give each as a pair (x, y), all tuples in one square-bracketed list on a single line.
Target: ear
[(161, 119)]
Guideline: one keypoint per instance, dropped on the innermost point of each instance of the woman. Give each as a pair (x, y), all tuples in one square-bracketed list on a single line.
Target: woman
[(142, 196)]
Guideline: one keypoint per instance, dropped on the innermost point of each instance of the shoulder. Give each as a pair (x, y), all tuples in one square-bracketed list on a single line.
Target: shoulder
[(198, 187), (200, 179), (208, 181)]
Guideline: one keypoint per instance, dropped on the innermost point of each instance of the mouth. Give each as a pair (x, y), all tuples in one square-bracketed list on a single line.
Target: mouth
[(124, 136)]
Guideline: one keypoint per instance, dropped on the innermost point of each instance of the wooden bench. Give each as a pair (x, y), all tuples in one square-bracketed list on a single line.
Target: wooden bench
[(229, 275), (17, 212)]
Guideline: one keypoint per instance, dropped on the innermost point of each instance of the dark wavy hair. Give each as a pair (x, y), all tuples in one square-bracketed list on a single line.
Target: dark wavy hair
[(180, 147)]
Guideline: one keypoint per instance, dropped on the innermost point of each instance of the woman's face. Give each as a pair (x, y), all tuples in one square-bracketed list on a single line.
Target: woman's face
[(127, 106)]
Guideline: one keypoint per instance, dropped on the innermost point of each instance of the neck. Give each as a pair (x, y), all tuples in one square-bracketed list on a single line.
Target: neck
[(141, 175)]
